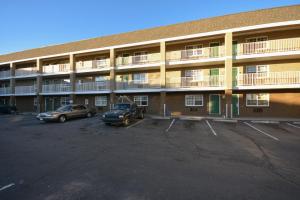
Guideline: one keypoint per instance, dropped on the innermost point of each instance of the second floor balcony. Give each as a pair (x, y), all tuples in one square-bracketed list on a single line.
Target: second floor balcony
[(63, 88), (148, 84), (138, 60), (92, 65), (56, 69), (24, 72), (26, 90), (5, 74), (93, 87), (5, 91)]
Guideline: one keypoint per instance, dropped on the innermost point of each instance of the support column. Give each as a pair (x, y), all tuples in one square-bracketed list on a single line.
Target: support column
[(112, 76), (12, 99), (228, 75), (162, 78), (72, 78), (39, 84)]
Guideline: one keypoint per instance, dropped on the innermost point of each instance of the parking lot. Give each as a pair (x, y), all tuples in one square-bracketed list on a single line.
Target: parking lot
[(150, 159)]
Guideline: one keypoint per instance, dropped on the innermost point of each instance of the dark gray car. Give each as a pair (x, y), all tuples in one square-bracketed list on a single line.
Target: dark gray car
[(66, 112)]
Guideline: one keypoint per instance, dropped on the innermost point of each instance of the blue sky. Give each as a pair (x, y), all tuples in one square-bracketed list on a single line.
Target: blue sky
[(28, 24)]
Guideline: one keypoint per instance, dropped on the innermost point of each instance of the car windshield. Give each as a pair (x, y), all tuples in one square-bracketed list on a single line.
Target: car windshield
[(64, 108), (122, 106)]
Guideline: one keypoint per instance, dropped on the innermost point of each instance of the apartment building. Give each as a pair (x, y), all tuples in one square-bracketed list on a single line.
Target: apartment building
[(239, 65)]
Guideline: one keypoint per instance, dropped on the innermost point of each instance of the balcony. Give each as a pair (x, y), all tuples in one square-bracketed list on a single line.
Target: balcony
[(207, 54), (5, 74), (146, 60), (5, 91), (56, 69), (214, 82), (138, 86), (25, 90), (270, 80), (56, 89), (277, 47), (92, 65), (26, 72), (93, 87)]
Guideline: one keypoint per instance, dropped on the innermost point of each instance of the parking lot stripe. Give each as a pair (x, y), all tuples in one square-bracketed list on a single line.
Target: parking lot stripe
[(132, 125), (7, 186), (271, 136), (293, 125), (171, 124), (211, 128)]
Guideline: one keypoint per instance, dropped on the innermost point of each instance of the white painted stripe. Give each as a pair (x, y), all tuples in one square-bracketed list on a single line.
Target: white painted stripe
[(132, 125), (171, 124), (211, 128), (293, 125), (7, 186), (271, 136)]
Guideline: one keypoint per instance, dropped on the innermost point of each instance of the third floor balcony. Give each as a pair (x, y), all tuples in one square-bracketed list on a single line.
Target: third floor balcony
[(53, 69), (92, 65), (26, 72)]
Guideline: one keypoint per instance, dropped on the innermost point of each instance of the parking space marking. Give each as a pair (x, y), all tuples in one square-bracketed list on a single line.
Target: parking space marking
[(136, 123), (211, 128), (7, 186), (171, 124), (293, 125), (260, 131)]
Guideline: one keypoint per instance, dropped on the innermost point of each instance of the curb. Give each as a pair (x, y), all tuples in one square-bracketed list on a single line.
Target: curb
[(264, 122)]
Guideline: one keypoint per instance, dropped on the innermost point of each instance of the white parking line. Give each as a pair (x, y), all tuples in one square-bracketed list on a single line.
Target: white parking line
[(293, 125), (132, 125), (211, 128), (7, 186), (271, 136), (171, 124)]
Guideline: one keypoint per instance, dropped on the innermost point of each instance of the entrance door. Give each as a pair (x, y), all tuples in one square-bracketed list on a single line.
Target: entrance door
[(48, 104), (214, 104), (214, 49), (234, 76), (235, 105)]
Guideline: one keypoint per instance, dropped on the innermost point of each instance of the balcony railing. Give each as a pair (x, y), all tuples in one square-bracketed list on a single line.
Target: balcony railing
[(92, 86), (57, 68), (5, 90), (196, 54), (137, 84), (56, 88), (270, 46), (138, 60), (270, 78), (25, 89), (191, 82), (5, 74), (28, 71), (92, 65)]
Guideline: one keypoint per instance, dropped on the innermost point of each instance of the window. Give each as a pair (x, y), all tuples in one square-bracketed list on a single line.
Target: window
[(100, 61), (261, 99), (193, 100), (140, 57), (64, 101), (257, 69), (100, 100), (257, 39), (256, 44), (141, 100), (140, 78), (195, 74), (194, 50)]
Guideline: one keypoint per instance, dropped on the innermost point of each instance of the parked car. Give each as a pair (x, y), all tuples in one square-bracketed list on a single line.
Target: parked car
[(123, 113), (66, 112), (8, 109)]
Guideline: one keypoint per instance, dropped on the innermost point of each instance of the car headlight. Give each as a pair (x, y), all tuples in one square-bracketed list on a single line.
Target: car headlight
[(103, 116), (121, 116)]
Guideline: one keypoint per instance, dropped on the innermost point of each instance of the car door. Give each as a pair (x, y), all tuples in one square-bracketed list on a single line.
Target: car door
[(78, 111)]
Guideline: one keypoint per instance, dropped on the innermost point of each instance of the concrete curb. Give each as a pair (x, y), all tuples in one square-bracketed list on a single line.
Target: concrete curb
[(226, 120), (265, 122)]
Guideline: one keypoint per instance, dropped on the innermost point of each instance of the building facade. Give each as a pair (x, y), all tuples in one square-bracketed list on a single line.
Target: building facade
[(240, 65)]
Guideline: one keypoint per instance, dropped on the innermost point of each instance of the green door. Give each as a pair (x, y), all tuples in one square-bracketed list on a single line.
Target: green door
[(234, 48), (214, 104), (235, 105), (214, 77), (214, 49), (234, 76)]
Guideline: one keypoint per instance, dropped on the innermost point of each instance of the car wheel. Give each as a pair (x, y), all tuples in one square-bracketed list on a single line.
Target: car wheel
[(89, 114), (62, 119), (126, 121)]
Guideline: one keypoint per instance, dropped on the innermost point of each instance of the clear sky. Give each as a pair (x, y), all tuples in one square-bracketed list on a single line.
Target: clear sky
[(28, 24)]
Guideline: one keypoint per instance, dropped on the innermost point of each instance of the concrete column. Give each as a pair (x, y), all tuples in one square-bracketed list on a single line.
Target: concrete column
[(162, 77), (39, 85), (12, 99), (228, 74), (73, 78), (112, 76)]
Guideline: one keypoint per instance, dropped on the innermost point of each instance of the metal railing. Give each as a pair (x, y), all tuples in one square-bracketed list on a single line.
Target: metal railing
[(5, 90), (138, 84), (28, 71), (91, 65), (191, 82), (196, 54), (57, 68), (138, 60), (269, 46), (269, 78), (92, 86), (56, 88), (5, 74), (25, 89)]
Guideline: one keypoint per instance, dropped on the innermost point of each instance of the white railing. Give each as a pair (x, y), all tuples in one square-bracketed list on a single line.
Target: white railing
[(270, 78), (28, 71), (137, 84), (91, 65), (56, 88), (138, 60), (196, 54), (269, 46), (191, 82), (5, 90), (5, 74), (57, 68), (92, 86), (25, 89)]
